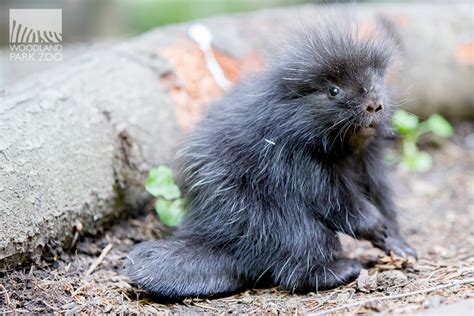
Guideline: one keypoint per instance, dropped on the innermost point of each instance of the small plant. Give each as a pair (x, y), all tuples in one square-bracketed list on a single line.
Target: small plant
[(411, 129), (168, 204)]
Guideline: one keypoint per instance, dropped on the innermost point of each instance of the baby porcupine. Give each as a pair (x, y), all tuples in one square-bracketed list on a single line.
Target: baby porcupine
[(276, 168)]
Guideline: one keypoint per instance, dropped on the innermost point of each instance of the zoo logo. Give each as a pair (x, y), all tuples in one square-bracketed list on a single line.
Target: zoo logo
[(41, 26), (36, 35)]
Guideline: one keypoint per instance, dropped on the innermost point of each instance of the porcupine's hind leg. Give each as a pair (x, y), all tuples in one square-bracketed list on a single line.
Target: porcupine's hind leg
[(313, 263), (172, 268)]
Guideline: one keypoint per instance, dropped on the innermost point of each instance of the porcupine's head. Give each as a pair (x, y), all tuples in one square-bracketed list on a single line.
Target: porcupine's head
[(335, 78)]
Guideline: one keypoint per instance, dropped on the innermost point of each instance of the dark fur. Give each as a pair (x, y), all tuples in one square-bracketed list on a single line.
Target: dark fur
[(263, 213)]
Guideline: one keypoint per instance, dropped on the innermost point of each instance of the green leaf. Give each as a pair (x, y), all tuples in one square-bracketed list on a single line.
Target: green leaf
[(419, 161), (440, 126), (160, 183), (405, 122), (171, 213)]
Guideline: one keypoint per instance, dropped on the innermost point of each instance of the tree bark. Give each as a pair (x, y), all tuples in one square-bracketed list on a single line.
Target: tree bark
[(76, 141)]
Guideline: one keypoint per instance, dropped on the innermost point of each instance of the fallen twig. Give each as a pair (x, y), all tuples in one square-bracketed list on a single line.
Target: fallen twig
[(5, 292), (96, 263), (205, 306), (80, 289), (392, 297)]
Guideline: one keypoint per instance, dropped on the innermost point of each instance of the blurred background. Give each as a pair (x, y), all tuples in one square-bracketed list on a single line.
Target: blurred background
[(89, 20), (89, 23)]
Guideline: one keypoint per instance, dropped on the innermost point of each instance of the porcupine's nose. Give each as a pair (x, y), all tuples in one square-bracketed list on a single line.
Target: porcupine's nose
[(374, 107)]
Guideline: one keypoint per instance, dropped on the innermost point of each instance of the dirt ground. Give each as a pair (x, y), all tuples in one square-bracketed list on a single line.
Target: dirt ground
[(437, 216)]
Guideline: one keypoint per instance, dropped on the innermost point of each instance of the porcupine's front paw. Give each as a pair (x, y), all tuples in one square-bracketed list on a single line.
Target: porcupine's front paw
[(393, 242), (399, 246)]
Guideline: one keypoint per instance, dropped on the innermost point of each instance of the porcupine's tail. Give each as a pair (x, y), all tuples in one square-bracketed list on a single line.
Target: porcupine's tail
[(171, 268)]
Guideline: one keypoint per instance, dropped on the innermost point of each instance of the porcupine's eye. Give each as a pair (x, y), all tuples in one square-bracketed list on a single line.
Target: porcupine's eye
[(333, 92)]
